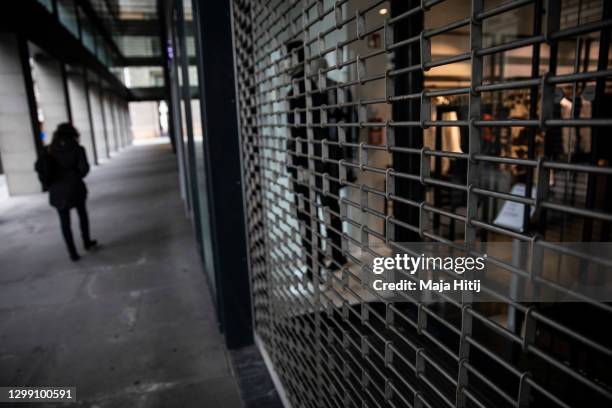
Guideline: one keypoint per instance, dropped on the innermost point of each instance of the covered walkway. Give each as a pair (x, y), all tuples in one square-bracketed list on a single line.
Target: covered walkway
[(131, 324)]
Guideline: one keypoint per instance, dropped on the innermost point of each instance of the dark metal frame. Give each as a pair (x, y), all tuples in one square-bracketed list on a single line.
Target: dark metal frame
[(223, 174)]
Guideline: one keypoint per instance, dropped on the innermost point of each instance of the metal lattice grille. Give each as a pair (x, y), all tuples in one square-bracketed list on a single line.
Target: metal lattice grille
[(369, 123)]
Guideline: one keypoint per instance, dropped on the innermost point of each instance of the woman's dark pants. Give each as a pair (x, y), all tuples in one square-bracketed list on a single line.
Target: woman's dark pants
[(64, 215)]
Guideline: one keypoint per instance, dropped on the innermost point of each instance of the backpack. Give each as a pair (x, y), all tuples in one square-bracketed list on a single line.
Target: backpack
[(44, 169)]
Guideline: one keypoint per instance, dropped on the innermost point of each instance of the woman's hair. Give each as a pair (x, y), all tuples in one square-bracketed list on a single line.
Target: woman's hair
[(65, 134)]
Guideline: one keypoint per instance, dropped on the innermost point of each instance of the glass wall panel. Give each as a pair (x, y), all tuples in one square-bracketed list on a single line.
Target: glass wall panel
[(193, 76), (67, 16), (190, 44), (102, 50), (139, 77), (87, 36), (190, 130), (138, 45)]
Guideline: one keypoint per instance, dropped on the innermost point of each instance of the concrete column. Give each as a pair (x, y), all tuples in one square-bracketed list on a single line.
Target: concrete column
[(124, 123), (80, 113), (121, 122), (51, 96), (17, 147), (110, 123), (98, 121), (128, 124), (117, 121)]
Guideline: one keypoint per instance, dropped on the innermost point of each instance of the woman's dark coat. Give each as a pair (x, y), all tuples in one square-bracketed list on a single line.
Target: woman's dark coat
[(68, 166)]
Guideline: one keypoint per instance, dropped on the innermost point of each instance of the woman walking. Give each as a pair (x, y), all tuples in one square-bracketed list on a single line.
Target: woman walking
[(61, 169)]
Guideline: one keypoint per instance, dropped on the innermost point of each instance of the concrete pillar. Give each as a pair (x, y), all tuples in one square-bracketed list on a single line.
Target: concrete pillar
[(120, 121), (113, 105), (128, 124), (117, 121), (80, 112), (113, 123), (51, 95), (98, 120), (17, 146), (110, 123), (126, 130)]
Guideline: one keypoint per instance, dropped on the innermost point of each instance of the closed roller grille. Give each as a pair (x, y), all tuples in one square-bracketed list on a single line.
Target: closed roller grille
[(365, 124)]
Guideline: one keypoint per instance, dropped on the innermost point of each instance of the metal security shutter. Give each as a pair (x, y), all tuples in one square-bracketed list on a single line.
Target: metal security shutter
[(369, 123)]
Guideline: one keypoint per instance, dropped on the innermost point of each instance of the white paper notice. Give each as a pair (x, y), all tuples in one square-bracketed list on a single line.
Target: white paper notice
[(511, 214)]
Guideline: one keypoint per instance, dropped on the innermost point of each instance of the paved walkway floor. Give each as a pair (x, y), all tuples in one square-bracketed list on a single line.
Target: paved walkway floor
[(130, 325)]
